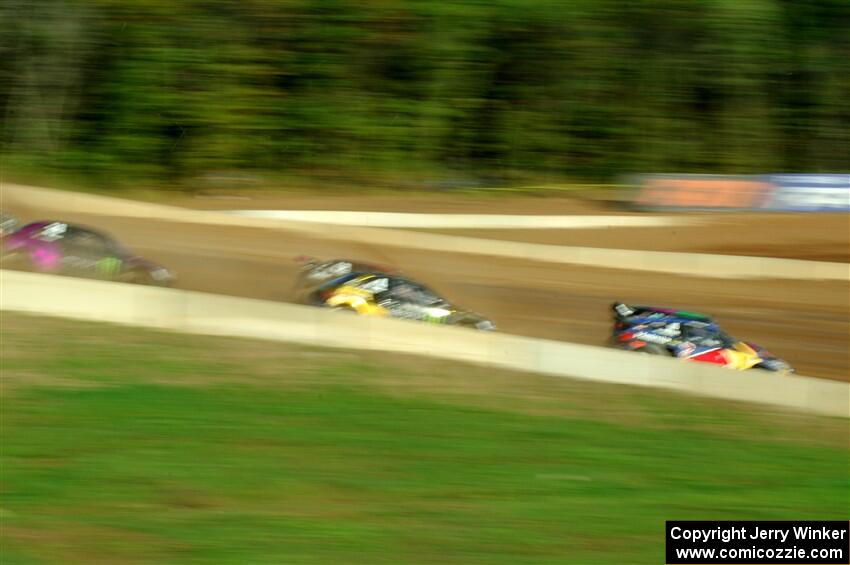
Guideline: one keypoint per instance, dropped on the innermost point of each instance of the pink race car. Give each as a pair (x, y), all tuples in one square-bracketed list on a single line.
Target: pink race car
[(65, 249)]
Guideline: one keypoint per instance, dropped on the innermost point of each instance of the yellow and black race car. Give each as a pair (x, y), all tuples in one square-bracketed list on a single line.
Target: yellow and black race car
[(376, 291)]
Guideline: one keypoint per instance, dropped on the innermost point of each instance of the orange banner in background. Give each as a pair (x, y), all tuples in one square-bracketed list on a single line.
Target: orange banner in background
[(703, 192)]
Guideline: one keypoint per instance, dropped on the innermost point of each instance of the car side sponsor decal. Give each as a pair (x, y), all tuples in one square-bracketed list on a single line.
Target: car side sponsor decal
[(686, 349), (108, 267), (653, 338)]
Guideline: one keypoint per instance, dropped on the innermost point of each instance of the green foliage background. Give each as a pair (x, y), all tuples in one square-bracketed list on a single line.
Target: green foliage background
[(585, 89)]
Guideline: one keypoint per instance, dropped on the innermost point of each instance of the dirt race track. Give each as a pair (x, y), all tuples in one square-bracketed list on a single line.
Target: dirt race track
[(805, 322)]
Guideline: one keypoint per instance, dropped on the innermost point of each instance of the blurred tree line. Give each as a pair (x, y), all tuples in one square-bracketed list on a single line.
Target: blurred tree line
[(162, 90)]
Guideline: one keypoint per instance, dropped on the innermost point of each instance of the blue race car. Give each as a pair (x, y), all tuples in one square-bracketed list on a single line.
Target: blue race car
[(686, 335)]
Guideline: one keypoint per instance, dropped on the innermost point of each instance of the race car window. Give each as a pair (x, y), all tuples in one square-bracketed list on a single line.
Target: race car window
[(699, 332), (53, 231), (624, 310), (332, 269), (375, 285), (705, 334), (85, 243)]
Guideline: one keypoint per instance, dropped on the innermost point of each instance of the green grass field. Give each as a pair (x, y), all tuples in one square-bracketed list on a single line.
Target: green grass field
[(122, 446)]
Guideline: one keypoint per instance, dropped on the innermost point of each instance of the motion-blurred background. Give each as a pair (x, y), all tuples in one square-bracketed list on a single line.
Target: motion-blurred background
[(125, 445), (421, 92)]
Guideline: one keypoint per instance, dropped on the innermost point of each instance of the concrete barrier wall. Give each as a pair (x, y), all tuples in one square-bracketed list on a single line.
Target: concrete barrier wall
[(409, 220), (696, 264), (201, 313)]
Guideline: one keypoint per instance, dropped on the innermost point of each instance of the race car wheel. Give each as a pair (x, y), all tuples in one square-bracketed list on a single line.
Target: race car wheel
[(653, 349), (137, 277), (774, 365), (482, 325)]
